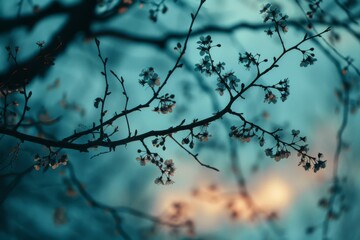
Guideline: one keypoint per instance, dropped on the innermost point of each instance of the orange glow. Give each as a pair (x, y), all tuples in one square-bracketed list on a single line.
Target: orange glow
[(210, 200), (168, 206), (204, 210), (240, 209), (208, 206), (178, 212), (273, 194)]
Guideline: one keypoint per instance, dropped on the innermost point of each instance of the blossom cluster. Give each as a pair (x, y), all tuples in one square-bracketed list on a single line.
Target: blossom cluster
[(280, 152), (157, 8), (273, 14), (49, 161), (166, 104), (242, 133), (204, 45), (282, 87), (166, 167), (308, 58), (314, 6), (307, 162), (159, 142), (203, 136), (228, 79), (248, 59), (167, 171), (207, 64), (150, 77)]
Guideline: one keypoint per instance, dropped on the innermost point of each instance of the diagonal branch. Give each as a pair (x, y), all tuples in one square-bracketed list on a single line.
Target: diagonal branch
[(193, 155)]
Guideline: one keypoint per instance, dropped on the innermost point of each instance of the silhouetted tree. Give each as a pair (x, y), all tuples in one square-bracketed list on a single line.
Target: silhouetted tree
[(156, 58)]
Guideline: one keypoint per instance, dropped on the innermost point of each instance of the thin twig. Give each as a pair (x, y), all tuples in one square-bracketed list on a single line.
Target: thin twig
[(121, 80), (193, 155)]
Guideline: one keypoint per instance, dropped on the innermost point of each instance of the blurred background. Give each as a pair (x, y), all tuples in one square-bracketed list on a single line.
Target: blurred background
[(111, 195)]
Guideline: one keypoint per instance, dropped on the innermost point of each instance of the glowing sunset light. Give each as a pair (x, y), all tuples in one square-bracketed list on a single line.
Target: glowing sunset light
[(175, 204), (239, 209), (209, 205), (273, 194)]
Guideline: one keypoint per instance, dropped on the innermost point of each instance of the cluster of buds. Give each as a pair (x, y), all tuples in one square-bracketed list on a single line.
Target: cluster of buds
[(272, 13), (166, 104), (227, 80), (282, 87), (154, 158), (187, 141), (50, 161), (243, 133), (144, 159), (169, 167), (308, 58), (203, 136), (206, 65), (310, 162), (248, 59), (314, 7), (159, 142), (280, 153), (150, 77), (163, 180), (270, 97), (154, 12), (306, 161), (166, 167), (204, 45), (167, 170)]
